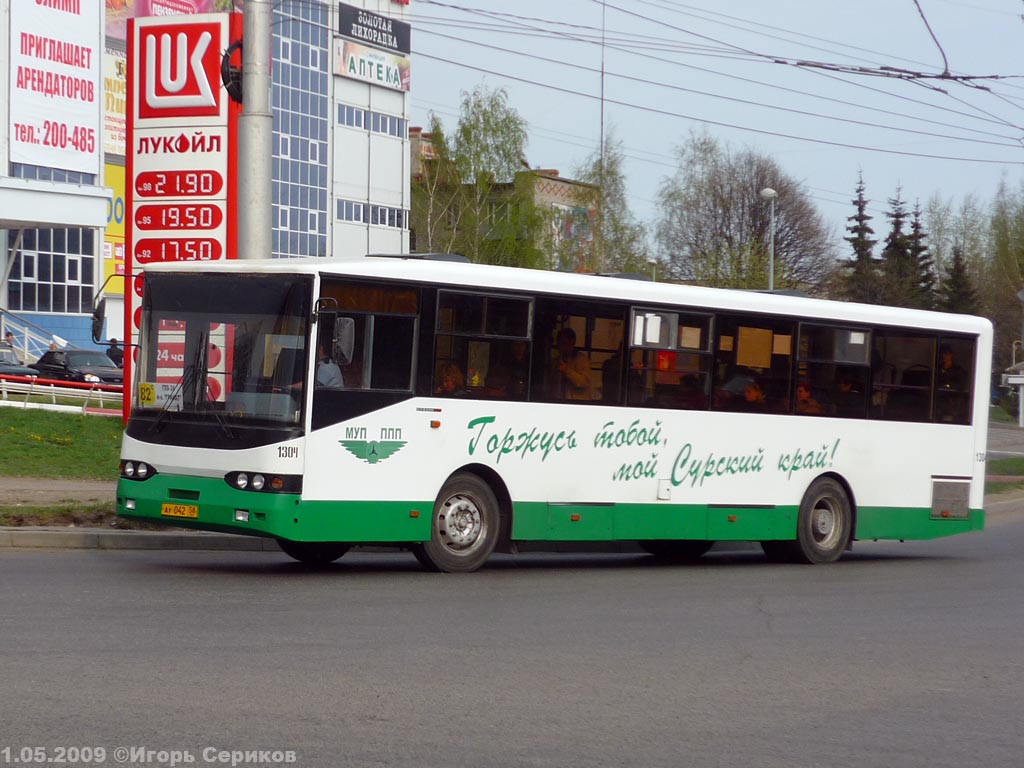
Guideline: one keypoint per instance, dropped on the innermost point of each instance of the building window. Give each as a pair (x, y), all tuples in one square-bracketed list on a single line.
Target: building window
[(74, 270), (28, 266), (301, 121)]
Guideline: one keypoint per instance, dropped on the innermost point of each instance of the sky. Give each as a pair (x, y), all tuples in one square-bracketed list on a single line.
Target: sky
[(730, 67)]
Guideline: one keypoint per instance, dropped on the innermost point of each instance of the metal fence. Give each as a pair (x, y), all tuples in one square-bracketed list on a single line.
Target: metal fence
[(48, 395)]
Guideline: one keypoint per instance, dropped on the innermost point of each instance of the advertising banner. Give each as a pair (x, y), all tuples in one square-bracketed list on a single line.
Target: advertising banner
[(360, 62), (373, 29), (56, 51), (119, 11), (113, 235), (114, 92)]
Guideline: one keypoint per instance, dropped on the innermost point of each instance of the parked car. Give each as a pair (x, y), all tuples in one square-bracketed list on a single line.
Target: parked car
[(11, 366), (86, 365)]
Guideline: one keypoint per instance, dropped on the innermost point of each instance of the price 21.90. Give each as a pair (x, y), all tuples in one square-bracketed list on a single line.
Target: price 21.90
[(178, 184)]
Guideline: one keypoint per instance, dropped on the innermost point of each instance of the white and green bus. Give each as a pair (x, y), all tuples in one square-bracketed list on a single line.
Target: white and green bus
[(459, 409)]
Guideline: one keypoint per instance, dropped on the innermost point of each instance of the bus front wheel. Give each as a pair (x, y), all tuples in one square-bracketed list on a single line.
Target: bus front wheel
[(313, 552), (463, 528)]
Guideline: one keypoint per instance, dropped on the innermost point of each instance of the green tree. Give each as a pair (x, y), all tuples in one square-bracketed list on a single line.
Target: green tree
[(906, 279), (619, 240), (471, 197), (435, 194), (862, 281), (497, 220), (964, 225), (714, 226), (957, 293), (921, 261), (1006, 276)]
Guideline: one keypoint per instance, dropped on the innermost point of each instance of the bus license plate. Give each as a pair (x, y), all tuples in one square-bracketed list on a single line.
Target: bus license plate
[(179, 510)]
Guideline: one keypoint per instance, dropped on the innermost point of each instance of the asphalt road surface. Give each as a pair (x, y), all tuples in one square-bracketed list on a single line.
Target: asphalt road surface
[(1005, 440), (899, 655)]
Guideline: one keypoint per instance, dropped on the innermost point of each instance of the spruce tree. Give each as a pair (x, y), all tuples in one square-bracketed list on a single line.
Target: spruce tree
[(898, 273), (921, 262), (862, 282), (957, 292)]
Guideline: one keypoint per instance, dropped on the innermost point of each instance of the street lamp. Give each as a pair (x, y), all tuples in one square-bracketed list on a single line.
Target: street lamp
[(770, 194), (654, 269)]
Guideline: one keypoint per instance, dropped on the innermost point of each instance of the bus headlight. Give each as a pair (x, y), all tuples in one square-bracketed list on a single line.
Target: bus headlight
[(261, 482), (136, 470)]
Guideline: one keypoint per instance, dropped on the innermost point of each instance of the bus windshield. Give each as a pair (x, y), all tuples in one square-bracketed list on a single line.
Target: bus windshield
[(224, 344)]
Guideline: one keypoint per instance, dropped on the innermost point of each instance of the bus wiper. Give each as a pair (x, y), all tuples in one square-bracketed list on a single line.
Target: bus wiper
[(219, 417), (187, 377), (187, 381)]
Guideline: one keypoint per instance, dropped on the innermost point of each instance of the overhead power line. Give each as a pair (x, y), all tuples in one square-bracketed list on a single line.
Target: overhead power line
[(749, 102), (764, 132), (805, 65)]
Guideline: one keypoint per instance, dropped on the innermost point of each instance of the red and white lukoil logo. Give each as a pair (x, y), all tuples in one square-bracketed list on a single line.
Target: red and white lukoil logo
[(179, 70)]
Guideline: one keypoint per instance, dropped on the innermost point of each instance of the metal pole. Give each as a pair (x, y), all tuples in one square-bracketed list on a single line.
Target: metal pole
[(771, 246), (1020, 405), (255, 133)]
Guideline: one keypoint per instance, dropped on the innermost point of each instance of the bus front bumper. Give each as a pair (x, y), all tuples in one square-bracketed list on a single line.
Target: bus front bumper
[(210, 504)]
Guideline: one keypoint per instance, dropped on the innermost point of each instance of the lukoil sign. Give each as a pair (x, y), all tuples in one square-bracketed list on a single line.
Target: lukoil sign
[(180, 72)]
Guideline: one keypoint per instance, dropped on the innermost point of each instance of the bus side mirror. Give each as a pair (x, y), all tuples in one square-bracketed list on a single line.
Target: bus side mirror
[(344, 340), (98, 316)]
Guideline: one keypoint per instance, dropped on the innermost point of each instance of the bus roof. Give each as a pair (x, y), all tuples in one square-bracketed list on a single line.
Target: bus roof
[(536, 281)]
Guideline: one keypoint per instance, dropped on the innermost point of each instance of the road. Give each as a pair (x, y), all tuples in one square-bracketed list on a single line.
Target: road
[(899, 655), (1005, 440)]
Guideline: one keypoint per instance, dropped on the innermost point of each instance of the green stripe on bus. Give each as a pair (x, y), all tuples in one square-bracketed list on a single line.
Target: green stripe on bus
[(913, 523), (287, 516), (538, 521)]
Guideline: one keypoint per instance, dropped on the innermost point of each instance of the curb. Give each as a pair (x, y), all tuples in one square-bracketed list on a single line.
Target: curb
[(99, 538)]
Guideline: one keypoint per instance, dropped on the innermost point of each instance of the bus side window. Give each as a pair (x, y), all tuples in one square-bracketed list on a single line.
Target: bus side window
[(901, 373), (850, 392), (485, 336), (753, 364), (953, 380), (670, 359)]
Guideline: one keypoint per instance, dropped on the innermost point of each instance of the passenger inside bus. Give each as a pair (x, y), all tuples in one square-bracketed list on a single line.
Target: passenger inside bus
[(754, 396), (450, 380), (849, 393), (951, 376), (570, 375), (328, 372), (951, 385), (508, 376), (805, 401)]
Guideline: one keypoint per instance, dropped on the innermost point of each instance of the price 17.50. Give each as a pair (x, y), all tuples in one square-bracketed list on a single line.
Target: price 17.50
[(158, 249)]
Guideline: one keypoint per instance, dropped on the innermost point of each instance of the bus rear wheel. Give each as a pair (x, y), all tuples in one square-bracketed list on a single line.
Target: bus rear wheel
[(463, 527), (676, 551), (313, 552), (822, 529)]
